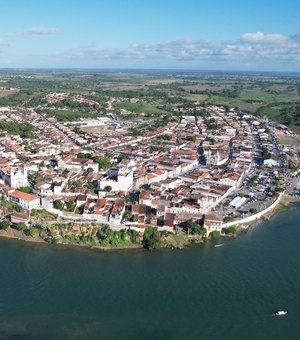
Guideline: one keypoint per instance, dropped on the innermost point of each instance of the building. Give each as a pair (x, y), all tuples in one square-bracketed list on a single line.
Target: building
[(15, 177), (26, 201), (72, 163), (117, 179), (213, 222), (117, 211)]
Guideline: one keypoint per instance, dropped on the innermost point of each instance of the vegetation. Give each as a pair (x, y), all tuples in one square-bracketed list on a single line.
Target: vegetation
[(58, 204), (4, 225), (26, 189), (215, 234), (25, 130), (231, 230), (197, 229), (151, 239), (108, 237)]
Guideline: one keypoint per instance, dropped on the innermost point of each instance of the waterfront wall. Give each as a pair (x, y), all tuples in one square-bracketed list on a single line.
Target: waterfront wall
[(255, 216)]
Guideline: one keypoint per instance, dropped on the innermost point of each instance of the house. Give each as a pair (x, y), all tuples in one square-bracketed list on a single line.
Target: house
[(117, 211), (26, 201), (139, 213), (16, 217), (213, 222), (72, 163)]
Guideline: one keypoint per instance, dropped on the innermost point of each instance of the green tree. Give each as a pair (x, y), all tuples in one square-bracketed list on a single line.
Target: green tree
[(90, 186), (4, 225), (89, 169), (21, 226), (227, 219), (103, 161), (197, 229), (108, 188), (231, 230), (78, 184), (215, 234), (32, 231), (17, 208), (71, 206), (58, 204), (151, 238)]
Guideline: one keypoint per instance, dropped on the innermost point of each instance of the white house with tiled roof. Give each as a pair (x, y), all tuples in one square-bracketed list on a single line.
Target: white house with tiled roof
[(26, 201)]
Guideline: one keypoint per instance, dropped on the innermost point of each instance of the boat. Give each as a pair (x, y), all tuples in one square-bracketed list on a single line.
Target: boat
[(219, 245), (280, 313)]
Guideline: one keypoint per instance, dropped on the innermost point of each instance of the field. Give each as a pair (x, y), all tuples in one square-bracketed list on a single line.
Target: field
[(6, 92), (285, 139), (276, 96)]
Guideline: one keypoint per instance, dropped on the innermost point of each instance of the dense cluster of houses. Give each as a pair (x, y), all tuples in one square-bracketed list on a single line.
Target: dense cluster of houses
[(171, 176)]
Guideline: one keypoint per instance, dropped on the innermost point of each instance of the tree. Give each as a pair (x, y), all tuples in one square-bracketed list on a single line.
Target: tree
[(20, 226), (26, 189), (253, 210), (71, 206), (231, 230), (197, 229), (103, 161), (215, 234), (108, 188), (58, 204), (151, 238), (32, 231), (78, 184), (227, 219), (90, 170), (17, 208), (123, 156), (90, 186), (4, 225)]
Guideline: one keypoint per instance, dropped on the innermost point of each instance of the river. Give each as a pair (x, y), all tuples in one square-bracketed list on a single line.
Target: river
[(203, 292)]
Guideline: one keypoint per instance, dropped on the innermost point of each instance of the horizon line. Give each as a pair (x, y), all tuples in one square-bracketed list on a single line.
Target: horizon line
[(144, 69)]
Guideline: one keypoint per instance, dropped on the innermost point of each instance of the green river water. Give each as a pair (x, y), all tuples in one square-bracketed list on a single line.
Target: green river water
[(202, 292)]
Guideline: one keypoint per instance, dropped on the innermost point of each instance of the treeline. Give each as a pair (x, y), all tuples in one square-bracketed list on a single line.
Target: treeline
[(67, 116), (74, 105), (229, 93)]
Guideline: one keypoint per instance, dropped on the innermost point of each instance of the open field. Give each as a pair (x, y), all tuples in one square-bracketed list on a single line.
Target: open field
[(276, 96), (285, 139), (6, 92)]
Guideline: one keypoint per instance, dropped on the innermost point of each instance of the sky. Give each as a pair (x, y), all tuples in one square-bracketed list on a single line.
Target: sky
[(256, 35)]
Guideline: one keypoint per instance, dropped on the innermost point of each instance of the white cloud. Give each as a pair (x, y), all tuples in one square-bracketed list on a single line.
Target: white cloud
[(250, 49), (261, 38), (37, 31)]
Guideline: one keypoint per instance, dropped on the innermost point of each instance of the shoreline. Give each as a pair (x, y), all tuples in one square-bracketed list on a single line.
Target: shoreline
[(283, 205), (19, 236)]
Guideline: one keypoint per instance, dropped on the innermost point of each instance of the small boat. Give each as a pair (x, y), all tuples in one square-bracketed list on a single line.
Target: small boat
[(280, 313), (218, 245)]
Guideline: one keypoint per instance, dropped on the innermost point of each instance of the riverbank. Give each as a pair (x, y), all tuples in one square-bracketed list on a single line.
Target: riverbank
[(171, 241), (11, 233)]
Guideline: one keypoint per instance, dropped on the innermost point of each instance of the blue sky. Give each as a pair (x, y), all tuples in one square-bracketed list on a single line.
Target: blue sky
[(179, 34)]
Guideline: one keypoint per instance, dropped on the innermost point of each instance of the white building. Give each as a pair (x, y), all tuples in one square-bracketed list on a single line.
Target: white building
[(15, 177), (117, 180), (26, 201), (72, 163)]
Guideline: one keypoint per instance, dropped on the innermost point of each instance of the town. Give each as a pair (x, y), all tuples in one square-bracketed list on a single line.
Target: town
[(199, 172)]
